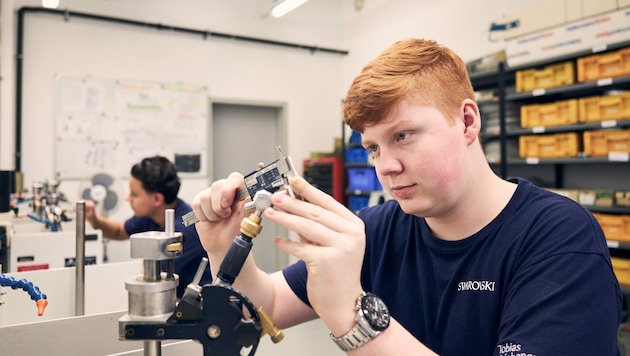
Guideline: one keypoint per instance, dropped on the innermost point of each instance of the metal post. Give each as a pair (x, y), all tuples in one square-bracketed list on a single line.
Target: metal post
[(80, 259)]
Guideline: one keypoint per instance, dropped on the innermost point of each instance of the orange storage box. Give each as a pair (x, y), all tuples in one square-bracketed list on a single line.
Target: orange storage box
[(621, 266), (604, 65), (605, 107), (551, 76), (603, 142), (549, 146), (563, 112), (616, 227)]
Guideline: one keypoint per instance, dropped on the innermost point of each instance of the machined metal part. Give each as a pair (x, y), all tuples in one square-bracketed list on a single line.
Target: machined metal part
[(227, 323), (152, 297), (155, 245), (220, 317)]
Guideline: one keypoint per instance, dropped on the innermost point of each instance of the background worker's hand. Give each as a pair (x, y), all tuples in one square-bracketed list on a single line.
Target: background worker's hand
[(219, 218), (90, 212), (332, 244), (90, 209)]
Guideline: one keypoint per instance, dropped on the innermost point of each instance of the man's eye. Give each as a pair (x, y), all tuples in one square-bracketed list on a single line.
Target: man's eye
[(400, 136), (371, 148)]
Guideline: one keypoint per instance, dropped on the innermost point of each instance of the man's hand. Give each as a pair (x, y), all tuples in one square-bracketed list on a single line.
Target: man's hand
[(219, 218), (332, 244), (90, 213)]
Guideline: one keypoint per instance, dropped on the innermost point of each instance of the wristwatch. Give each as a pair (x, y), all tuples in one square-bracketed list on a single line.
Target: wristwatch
[(372, 319)]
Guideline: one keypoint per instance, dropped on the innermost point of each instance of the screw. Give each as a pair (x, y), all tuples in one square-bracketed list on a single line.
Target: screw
[(214, 331)]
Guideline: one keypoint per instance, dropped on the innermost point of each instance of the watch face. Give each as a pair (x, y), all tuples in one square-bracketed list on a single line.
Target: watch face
[(375, 312)]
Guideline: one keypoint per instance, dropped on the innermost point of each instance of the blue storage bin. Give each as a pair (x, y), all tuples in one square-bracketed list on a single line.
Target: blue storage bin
[(358, 202), (362, 179), (355, 137), (356, 154), (377, 184)]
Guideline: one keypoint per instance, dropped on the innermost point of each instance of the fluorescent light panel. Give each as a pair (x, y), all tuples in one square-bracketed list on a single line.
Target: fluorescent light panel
[(285, 7), (51, 4)]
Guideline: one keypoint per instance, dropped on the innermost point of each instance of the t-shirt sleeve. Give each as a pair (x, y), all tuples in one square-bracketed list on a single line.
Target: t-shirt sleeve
[(296, 276)]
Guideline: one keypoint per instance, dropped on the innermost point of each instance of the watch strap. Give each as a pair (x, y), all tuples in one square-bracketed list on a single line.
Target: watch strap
[(360, 333), (353, 339)]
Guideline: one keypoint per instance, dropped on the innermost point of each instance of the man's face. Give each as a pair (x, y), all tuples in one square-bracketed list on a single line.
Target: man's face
[(142, 203), (420, 158)]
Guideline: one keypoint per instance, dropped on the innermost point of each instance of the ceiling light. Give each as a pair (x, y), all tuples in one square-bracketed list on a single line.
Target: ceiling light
[(52, 4), (284, 7)]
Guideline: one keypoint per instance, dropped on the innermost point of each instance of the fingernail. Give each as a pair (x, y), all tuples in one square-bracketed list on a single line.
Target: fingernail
[(224, 203), (279, 198)]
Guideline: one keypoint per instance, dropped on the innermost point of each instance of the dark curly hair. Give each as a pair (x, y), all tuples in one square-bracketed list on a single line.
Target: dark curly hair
[(158, 175)]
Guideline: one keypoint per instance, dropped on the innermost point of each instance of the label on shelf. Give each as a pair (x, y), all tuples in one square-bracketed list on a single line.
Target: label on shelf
[(619, 156), (604, 81), (612, 244), (538, 129), (538, 92), (532, 160), (606, 124)]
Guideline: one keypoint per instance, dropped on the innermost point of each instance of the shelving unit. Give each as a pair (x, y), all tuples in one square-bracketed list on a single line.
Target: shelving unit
[(356, 198), (580, 172), (325, 173)]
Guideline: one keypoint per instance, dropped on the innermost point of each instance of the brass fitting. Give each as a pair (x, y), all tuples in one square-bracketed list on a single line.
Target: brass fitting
[(268, 326), (250, 226)]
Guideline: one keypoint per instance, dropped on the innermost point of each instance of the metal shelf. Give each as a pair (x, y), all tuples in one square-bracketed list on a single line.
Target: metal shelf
[(571, 90), (552, 161), (569, 128)]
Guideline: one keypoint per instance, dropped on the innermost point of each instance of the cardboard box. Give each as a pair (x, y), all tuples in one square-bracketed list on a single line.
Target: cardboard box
[(622, 198), (596, 197), (572, 194)]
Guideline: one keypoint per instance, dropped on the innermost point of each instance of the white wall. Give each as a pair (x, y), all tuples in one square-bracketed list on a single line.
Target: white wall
[(312, 85)]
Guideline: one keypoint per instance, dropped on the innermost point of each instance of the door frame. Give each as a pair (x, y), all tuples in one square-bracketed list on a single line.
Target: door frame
[(282, 258)]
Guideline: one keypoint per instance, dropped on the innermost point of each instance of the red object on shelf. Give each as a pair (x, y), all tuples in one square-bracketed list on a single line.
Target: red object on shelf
[(325, 173)]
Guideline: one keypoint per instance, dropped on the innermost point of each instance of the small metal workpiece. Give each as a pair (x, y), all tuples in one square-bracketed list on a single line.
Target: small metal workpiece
[(272, 178)]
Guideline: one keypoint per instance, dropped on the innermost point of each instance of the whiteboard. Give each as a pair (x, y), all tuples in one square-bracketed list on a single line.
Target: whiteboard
[(106, 125)]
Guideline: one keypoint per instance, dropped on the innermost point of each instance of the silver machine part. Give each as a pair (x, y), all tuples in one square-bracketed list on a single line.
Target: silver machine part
[(152, 295), (79, 264)]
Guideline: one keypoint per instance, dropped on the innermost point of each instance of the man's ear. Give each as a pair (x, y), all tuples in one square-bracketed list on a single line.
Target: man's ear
[(471, 119), (157, 199)]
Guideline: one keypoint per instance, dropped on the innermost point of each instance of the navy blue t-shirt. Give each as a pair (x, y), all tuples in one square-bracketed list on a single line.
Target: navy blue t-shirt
[(186, 265), (537, 280)]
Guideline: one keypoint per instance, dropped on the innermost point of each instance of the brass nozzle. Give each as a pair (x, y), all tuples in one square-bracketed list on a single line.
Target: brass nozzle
[(250, 226), (268, 326), (174, 247)]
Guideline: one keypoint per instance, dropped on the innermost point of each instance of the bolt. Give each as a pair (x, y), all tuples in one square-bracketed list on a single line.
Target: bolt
[(214, 331)]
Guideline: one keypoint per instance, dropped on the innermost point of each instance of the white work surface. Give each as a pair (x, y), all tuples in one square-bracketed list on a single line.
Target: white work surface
[(60, 332), (104, 292), (98, 335)]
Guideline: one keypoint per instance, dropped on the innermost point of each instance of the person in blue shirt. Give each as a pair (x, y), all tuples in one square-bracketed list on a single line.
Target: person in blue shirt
[(459, 262), (153, 188)]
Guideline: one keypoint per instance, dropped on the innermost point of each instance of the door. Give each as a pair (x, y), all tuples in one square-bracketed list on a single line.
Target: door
[(242, 136)]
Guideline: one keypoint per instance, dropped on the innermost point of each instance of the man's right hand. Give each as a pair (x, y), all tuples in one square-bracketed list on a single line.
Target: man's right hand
[(219, 216), (90, 213)]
